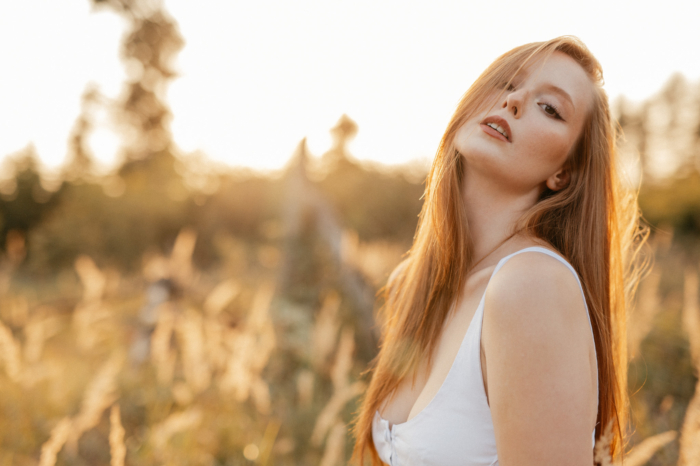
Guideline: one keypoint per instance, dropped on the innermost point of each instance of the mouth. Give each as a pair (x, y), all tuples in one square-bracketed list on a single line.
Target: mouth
[(497, 127)]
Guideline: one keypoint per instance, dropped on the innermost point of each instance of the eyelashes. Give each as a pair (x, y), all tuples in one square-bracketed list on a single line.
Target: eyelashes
[(548, 108)]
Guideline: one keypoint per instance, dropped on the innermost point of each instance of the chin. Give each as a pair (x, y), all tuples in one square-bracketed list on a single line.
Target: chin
[(478, 149)]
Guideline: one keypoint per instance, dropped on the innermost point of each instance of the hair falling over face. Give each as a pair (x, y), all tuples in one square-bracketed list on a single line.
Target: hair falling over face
[(593, 223)]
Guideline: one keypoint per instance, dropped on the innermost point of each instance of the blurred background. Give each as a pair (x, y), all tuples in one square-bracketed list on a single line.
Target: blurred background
[(200, 201)]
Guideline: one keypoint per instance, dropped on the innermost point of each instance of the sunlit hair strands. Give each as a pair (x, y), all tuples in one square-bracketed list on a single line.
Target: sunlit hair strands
[(593, 222)]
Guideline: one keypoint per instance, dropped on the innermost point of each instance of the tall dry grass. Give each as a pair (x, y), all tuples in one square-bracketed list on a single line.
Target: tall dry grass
[(99, 395), (192, 350), (329, 423), (59, 435), (10, 351), (249, 351), (91, 310), (637, 456), (647, 308), (163, 355), (173, 424), (219, 377), (117, 448), (690, 433)]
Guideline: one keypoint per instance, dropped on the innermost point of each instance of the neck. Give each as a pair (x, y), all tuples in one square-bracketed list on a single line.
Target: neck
[(491, 212)]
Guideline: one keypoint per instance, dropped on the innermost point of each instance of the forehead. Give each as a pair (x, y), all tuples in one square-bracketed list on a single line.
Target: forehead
[(562, 71)]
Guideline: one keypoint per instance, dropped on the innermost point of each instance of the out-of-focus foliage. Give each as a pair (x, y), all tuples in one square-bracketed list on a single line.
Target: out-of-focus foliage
[(674, 203), (24, 202), (183, 314), (375, 204), (663, 133), (171, 313)]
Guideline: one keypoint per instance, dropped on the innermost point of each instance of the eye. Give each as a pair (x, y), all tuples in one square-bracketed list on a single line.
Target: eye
[(551, 110)]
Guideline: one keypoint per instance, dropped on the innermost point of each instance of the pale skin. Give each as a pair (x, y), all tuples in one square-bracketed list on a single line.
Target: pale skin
[(537, 352)]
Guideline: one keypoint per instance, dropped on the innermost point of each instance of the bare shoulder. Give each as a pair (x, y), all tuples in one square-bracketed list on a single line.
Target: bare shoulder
[(537, 348), (537, 285), (534, 313)]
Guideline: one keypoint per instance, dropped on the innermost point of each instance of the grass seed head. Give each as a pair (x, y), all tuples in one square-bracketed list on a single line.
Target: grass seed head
[(116, 437), (11, 353), (59, 435)]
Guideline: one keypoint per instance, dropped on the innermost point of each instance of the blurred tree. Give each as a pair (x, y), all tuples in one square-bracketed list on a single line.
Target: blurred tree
[(155, 203), (375, 204), (696, 128), (342, 133), (245, 205), (633, 122), (80, 161), (148, 52), (674, 204), (664, 131), (144, 204), (678, 131), (23, 207)]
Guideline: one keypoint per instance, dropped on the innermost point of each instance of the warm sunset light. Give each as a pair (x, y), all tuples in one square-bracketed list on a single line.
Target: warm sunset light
[(332, 233), (257, 77)]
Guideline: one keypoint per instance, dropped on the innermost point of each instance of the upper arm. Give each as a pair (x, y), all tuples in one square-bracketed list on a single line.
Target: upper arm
[(536, 341)]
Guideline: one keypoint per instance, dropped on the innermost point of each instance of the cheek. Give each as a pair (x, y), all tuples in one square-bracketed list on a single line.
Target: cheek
[(463, 135), (460, 140), (550, 146)]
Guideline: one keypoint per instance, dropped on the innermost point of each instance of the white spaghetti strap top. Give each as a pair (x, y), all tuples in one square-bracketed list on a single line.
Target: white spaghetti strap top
[(455, 428)]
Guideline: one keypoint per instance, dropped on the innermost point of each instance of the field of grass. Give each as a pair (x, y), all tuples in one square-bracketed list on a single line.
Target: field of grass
[(174, 365)]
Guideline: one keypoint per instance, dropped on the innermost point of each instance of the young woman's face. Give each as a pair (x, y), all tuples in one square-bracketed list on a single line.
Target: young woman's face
[(524, 138)]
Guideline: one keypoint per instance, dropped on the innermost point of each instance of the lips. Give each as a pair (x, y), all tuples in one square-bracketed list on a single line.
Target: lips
[(496, 120)]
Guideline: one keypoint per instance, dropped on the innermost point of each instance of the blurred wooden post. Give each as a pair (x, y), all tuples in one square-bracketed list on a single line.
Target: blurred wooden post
[(306, 210)]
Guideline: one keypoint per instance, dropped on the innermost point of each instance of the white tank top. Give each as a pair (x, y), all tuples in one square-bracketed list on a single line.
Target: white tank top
[(455, 428)]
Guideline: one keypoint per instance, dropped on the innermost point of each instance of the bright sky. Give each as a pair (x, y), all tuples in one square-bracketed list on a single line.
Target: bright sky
[(258, 76)]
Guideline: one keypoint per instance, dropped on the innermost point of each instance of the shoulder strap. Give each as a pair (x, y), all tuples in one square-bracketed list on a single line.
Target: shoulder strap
[(502, 262)]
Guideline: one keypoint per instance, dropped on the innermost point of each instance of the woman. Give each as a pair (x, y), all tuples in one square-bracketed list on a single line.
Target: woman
[(504, 337)]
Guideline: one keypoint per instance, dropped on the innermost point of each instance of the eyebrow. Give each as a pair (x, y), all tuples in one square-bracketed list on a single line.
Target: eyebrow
[(561, 92)]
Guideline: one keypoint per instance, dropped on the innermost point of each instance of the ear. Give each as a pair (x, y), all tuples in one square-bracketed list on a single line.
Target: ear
[(560, 179)]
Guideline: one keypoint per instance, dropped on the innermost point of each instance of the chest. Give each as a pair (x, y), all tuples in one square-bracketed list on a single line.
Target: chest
[(412, 398)]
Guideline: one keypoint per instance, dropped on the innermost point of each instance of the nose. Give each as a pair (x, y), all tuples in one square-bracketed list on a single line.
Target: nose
[(513, 102)]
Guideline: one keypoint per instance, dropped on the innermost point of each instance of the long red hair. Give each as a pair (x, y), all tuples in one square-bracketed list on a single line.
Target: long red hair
[(593, 223)]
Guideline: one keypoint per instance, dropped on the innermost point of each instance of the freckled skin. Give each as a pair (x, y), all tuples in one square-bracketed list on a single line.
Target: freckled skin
[(538, 360), (539, 364), (540, 142)]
